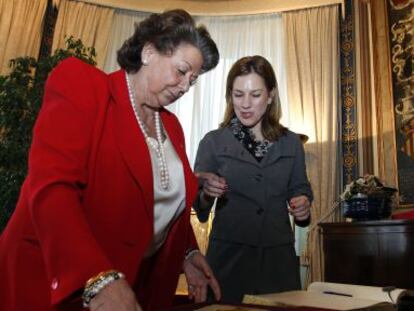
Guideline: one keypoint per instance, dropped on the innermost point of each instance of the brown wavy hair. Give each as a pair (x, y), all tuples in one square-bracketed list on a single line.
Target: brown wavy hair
[(271, 128), (166, 31)]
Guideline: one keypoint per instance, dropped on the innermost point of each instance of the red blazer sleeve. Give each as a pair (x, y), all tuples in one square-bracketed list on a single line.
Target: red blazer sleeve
[(58, 171)]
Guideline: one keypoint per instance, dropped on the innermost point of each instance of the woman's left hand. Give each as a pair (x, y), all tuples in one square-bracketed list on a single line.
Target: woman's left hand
[(199, 276), (300, 207)]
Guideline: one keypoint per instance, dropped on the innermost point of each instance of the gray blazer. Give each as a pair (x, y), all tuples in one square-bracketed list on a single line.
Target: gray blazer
[(254, 210)]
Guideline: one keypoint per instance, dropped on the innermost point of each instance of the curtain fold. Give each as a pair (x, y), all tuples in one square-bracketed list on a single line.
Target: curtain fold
[(312, 66), (122, 28), (20, 29), (90, 23)]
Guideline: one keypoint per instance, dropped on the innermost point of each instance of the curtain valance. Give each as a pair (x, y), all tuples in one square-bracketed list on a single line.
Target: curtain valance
[(215, 7)]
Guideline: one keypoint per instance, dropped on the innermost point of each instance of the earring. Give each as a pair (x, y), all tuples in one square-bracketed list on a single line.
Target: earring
[(144, 62), (269, 101)]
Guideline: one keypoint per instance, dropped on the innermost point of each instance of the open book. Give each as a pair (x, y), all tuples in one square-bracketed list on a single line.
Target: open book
[(335, 296)]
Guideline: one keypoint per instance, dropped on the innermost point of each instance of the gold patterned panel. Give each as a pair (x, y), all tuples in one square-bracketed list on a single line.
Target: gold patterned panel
[(349, 130)]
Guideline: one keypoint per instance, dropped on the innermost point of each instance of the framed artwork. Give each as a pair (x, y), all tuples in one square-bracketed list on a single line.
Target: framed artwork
[(401, 39)]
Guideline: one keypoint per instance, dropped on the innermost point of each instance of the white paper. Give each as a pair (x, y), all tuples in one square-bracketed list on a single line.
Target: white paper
[(332, 296)]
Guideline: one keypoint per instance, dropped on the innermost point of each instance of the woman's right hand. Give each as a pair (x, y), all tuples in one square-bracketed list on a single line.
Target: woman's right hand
[(116, 296), (214, 186)]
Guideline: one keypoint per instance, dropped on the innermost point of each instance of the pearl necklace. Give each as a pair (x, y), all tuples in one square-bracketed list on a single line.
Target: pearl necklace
[(156, 145)]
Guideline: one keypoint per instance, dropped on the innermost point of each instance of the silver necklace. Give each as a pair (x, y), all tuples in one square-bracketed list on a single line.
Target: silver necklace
[(157, 144)]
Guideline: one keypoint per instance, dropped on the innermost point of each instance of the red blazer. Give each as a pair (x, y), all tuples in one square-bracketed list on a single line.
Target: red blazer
[(86, 205)]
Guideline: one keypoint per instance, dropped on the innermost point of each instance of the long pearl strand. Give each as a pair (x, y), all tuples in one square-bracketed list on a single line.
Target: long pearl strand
[(156, 145)]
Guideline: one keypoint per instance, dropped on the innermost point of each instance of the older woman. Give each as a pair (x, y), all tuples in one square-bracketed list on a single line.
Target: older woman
[(255, 167), (103, 216)]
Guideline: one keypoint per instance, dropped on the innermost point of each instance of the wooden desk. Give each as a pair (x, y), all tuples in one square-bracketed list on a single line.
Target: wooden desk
[(244, 307), (374, 253)]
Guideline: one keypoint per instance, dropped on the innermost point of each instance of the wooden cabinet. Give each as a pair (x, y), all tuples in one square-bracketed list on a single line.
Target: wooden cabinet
[(375, 253)]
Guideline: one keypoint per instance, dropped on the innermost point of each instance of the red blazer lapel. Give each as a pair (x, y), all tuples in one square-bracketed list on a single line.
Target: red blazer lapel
[(130, 140), (134, 150)]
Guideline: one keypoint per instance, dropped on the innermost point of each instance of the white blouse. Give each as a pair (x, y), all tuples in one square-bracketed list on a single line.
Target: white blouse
[(168, 203)]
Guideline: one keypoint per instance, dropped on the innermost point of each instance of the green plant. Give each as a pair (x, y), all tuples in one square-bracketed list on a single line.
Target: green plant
[(21, 94)]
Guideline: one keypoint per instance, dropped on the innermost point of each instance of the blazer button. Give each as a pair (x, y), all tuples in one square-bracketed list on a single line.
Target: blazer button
[(260, 211), (55, 284), (258, 177)]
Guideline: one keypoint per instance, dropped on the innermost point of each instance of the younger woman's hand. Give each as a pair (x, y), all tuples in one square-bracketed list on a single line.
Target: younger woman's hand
[(214, 186), (300, 207)]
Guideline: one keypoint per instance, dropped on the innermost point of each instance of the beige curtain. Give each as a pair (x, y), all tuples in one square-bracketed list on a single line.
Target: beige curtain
[(123, 27), (312, 67), (20, 29), (90, 23)]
